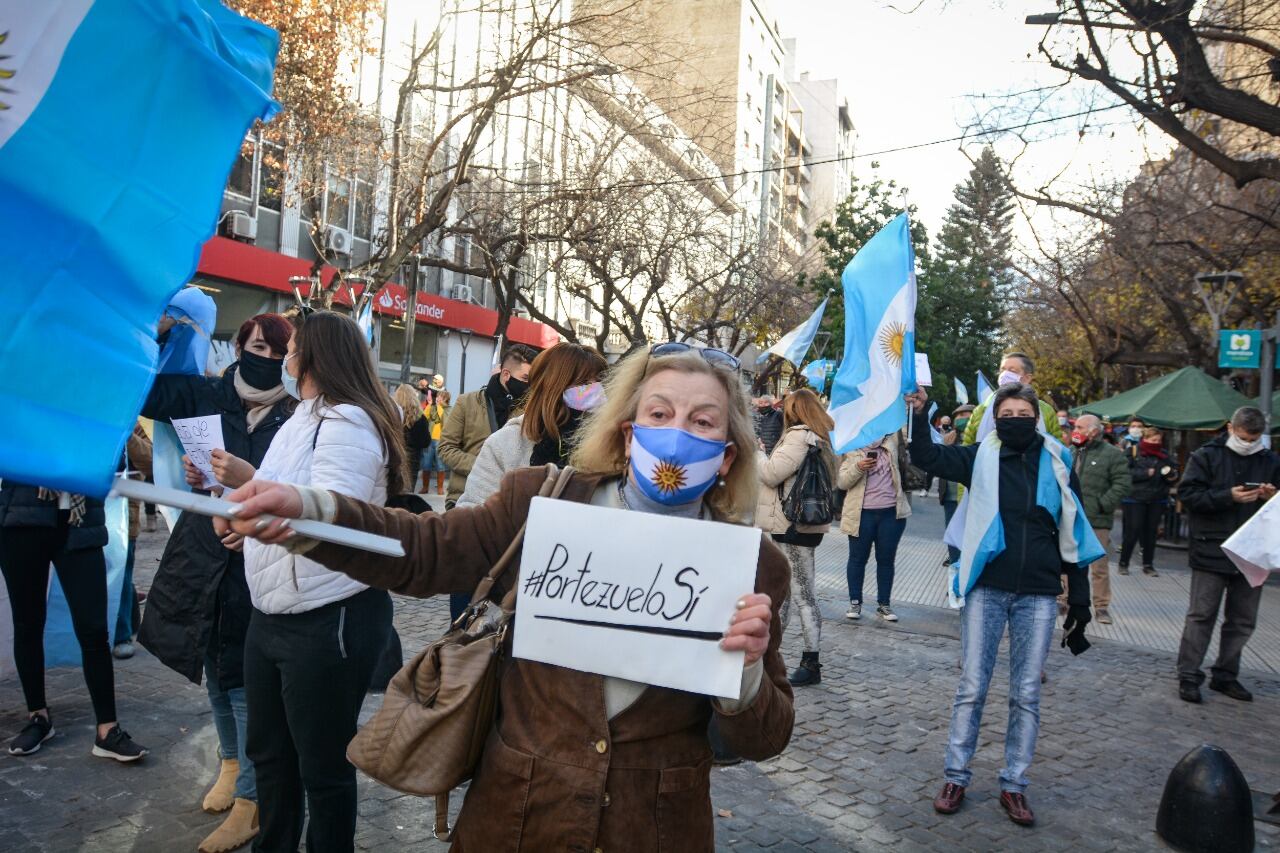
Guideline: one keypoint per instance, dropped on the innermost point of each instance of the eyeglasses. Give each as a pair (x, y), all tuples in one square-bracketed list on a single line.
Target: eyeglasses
[(714, 357)]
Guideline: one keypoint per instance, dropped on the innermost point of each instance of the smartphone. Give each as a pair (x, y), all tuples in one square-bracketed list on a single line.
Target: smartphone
[(1253, 485), (872, 454)]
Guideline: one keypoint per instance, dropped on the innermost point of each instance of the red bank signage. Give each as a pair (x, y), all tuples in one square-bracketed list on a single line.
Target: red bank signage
[(245, 264)]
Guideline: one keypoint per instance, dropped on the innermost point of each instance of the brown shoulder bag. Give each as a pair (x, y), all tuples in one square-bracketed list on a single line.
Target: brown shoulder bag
[(438, 710)]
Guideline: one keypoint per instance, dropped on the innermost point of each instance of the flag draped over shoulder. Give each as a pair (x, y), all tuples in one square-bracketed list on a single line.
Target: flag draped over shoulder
[(120, 122), (879, 340), (795, 344)]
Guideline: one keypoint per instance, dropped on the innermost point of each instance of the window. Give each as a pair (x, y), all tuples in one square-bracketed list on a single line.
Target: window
[(746, 139), (750, 62), (363, 226), (757, 152), (271, 179), (748, 101), (338, 202)]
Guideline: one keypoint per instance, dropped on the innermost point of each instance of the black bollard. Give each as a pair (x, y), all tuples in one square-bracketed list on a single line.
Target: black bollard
[(1206, 806)]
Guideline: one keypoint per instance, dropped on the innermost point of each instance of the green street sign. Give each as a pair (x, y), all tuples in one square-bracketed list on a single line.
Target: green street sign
[(1239, 348)]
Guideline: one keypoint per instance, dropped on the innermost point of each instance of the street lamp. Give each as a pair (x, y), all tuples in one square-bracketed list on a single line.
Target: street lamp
[(296, 282), (464, 336), (1217, 291)]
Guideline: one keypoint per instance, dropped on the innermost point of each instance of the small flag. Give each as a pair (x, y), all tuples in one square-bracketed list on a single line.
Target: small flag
[(795, 344), (985, 388), (962, 393), (816, 371), (879, 340), (119, 122)]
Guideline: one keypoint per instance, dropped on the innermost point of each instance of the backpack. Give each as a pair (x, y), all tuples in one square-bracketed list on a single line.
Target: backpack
[(811, 500)]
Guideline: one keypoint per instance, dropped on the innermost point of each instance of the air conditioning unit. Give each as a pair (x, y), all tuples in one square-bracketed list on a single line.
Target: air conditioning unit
[(240, 226), (521, 311), (462, 292), (337, 240)]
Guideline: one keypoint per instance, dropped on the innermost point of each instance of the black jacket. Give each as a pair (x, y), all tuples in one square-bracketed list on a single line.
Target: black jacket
[(769, 428), (1030, 562), (417, 438), (1149, 485), (1205, 492), (21, 507), (199, 600)]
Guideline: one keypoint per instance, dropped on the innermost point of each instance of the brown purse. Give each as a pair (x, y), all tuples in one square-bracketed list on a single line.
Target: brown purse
[(438, 710)]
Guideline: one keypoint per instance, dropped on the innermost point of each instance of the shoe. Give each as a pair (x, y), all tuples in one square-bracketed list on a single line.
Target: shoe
[(946, 562), (886, 613), (949, 799), (240, 827), (141, 596), (150, 524), (1189, 691), (854, 611), (118, 745), (1103, 616), (38, 729), (808, 673), (122, 651), (1150, 571), (223, 793), (1231, 688), (1017, 808), (1122, 569)]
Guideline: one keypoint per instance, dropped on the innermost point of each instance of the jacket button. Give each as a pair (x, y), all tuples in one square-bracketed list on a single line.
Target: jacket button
[(602, 747), (607, 799), (598, 850)]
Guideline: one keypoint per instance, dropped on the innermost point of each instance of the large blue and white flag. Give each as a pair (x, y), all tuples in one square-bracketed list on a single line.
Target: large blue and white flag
[(794, 345), (119, 123), (879, 340), (816, 372), (962, 393), (985, 388)]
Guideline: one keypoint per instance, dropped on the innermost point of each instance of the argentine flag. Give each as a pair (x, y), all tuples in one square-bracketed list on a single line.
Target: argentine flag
[(119, 122), (816, 372), (985, 389), (879, 330), (794, 345)]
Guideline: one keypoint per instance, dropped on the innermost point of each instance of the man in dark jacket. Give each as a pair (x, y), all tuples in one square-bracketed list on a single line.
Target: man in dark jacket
[(1226, 482), (1104, 482), (768, 418)]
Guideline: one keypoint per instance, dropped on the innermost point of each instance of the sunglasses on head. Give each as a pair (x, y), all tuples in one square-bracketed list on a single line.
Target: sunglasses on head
[(714, 357)]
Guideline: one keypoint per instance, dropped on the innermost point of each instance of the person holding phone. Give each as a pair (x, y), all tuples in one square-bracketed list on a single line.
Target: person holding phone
[(875, 515), (1227, 481)]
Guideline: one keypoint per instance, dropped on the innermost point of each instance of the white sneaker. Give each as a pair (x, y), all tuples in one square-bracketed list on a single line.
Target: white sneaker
[(885, 613), (854, 611)]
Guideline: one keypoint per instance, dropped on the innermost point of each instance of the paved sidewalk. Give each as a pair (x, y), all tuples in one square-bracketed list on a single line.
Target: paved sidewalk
[(859, 774)]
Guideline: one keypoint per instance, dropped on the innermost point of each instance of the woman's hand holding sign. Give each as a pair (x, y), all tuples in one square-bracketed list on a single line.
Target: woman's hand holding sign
[(749, 628), (262, 497)]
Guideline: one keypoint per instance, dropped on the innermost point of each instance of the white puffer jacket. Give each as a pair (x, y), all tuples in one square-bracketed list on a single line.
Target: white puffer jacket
[(338, 449)]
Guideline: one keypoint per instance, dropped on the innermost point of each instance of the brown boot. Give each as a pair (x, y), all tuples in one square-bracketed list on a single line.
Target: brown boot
[(426, 482), (439, 482), (223, 793), (240, 827)]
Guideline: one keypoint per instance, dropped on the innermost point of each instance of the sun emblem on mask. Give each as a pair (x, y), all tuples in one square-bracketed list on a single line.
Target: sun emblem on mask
[(5, 74), (668, 477), (892, 340)]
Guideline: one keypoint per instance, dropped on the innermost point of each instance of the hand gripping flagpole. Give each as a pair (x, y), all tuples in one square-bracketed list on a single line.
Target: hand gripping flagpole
[(218, 508)]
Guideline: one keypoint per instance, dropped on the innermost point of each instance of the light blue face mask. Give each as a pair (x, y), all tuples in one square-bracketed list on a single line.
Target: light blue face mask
[(290, 383), (673, 467)]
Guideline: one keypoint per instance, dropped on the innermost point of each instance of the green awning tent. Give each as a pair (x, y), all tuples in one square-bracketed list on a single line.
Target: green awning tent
[(1185, 399), (1275, 410)]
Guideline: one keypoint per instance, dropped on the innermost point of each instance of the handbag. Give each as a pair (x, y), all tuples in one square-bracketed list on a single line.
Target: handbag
[(438, 710)]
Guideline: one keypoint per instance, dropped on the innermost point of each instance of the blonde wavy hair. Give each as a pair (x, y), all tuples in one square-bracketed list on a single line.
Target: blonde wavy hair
[(602, 446)]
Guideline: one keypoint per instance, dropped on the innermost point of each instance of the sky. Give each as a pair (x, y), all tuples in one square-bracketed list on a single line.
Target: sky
[(923, 76)]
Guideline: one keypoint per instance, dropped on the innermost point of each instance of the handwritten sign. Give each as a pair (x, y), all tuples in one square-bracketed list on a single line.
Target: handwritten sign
[(200, 436), (633, 595), (924, 374)]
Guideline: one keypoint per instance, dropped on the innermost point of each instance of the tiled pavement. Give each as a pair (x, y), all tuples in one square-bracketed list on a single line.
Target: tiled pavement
[(859, 774)]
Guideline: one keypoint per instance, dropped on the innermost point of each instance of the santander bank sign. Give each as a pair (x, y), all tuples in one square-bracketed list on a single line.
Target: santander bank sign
[(393, 301)]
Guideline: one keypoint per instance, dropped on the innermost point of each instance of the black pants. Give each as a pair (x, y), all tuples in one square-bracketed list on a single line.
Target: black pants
[(1141, 524), (1239, 618), (25, 554), (305, 677)]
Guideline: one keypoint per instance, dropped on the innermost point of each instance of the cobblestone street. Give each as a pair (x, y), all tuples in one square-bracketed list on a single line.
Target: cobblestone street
[(862, 768)]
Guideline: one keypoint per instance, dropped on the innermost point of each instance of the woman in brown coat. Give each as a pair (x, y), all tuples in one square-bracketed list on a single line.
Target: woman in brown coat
[(580, 761)]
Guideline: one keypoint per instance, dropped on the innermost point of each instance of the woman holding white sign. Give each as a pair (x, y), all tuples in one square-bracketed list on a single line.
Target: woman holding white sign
[(583, 761)]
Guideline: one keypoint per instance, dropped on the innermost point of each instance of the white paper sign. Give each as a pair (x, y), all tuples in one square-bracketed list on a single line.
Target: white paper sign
[(924, 376), (633, 595), (199, 436), (1255, 546)]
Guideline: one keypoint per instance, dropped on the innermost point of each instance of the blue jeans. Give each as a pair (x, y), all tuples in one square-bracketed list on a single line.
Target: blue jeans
[(948, 510), (882, 528), (431, 460), (124, 610), (230, 719), (982, 622)]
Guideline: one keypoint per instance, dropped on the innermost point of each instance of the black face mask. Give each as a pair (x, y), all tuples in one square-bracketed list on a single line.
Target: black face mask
[(1017, 433), (517, 388), (260, 372)]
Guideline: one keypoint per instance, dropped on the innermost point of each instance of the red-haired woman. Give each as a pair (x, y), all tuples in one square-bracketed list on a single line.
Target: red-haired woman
[(198, 608)]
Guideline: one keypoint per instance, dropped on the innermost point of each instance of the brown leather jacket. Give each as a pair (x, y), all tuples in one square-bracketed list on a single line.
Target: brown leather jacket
[(556, 773)]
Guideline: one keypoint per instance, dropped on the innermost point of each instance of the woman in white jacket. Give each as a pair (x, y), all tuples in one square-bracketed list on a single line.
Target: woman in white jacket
[(315, 635), (804, 425)]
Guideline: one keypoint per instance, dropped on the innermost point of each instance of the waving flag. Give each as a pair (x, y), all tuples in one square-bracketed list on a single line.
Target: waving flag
[(962, 393), (119, 122), (795, 344), (879, 340), (985, 389), (816, 371)]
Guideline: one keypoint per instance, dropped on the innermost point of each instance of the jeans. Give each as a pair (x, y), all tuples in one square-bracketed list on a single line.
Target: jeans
[(231, 719), (305, 676), (1239, 618), (1031, 621), (804, 594), (25, 554), (431, 460), (948, 510), (882, 528), (128, 598), (1141, 524)]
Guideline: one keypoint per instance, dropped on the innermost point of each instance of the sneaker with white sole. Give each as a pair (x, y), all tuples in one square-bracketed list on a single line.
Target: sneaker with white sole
[(38, 729), (854, 611), (886, 613), (118, 745)]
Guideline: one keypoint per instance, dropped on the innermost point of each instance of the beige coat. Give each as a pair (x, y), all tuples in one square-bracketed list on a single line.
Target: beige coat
[(779, 469), (854, 482), (464, 433)]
